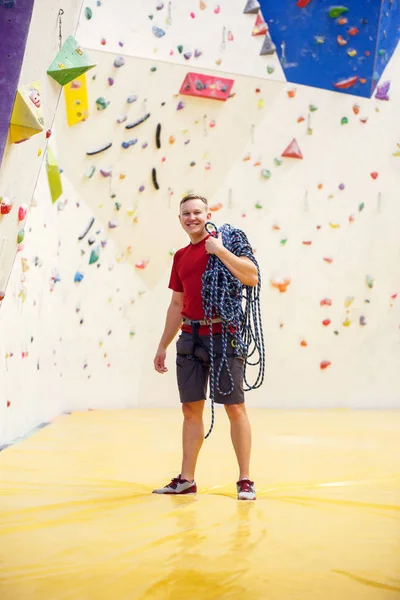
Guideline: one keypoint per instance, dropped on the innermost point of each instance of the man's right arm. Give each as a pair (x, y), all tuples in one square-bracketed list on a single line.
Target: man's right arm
[(173, 323)]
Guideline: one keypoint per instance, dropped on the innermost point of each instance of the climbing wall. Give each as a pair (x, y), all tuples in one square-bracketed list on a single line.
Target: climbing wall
[(165, 108), (29, 39), (305, 171), (335, 47)]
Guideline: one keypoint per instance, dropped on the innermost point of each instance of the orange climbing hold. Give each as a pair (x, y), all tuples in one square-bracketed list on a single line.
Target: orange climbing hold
[(280, 284), (293, 150), (216, 207), (325, 364)]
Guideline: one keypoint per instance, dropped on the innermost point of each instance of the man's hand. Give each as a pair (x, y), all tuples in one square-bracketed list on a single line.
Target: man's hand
[(159, 361), (214, 245)]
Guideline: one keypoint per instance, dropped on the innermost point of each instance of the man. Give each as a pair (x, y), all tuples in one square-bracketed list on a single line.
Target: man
[(192, 359)]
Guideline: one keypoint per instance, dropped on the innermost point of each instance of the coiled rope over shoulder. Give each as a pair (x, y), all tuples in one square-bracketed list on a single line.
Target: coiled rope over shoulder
[(223, 295)]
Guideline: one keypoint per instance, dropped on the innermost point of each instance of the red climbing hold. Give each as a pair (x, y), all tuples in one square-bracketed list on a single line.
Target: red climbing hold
[(303, 3), (324, 364), (344, 84), (374, 175), (293, 150), (260, 26)]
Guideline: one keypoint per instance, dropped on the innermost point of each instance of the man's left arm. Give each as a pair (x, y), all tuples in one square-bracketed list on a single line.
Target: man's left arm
[(241, 267)]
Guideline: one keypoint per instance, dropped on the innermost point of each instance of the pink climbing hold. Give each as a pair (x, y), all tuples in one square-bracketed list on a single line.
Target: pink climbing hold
[(23, 209), (293, 150)]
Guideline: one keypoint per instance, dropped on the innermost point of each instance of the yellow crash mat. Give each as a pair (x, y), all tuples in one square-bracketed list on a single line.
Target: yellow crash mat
[(78, 520)]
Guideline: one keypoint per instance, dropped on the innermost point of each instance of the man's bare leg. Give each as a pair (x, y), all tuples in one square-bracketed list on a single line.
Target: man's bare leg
[(192, 437), (241, 437)]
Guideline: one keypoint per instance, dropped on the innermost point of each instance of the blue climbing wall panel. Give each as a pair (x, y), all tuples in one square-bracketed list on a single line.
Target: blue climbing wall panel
[(312, 53)]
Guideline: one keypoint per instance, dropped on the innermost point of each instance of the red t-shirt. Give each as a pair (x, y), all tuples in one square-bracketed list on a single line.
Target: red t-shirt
[(187, 270)]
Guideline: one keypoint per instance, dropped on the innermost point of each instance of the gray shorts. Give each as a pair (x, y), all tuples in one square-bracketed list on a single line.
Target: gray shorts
[(193, 370)]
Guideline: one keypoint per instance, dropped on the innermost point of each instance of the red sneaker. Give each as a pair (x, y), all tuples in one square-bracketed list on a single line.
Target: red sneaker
[(246, 489), (178, 486)]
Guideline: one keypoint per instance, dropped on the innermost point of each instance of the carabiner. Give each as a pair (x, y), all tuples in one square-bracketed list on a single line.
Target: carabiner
[(214, 231)]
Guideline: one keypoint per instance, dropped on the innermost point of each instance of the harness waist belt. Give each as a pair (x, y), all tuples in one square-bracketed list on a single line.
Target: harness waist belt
[(201, 323)]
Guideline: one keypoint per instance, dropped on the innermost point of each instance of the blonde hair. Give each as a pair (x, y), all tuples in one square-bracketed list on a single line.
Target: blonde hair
[(194, 197)]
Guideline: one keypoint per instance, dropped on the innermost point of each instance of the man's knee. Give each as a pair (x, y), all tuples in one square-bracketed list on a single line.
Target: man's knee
[(193, 410), (235, 411)]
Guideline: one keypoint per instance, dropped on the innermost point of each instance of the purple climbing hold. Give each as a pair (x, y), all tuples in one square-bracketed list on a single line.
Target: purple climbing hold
[(111, 81), (197, 53), (187, 55), (106, 172), (382, 91), (341, 186), (141, 189), (180, 106)]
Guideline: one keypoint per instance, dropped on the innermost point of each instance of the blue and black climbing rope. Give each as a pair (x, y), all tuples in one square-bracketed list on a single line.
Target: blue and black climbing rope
[(223, 296)]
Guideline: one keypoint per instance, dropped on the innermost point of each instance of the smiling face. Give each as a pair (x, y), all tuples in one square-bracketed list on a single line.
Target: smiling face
[(193, 216)]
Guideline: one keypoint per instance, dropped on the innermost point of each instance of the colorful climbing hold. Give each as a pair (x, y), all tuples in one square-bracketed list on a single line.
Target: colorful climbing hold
[(158, 32), (369, 280), (344, 84), (102, 103), (325, 364), (94, 255), (281, 284), (23, 209), (293, 150), (382, 91), (335, 11), (326, 302), (353, 31)]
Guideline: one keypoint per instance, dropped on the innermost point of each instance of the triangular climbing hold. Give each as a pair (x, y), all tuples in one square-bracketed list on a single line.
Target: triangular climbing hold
[(252, 7), (292, 151), (26, 119), (260, 26), (53, 175), (268, 46), (71, 62)]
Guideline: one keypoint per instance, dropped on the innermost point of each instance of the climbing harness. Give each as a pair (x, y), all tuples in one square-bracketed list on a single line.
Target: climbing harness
[(222, 297)]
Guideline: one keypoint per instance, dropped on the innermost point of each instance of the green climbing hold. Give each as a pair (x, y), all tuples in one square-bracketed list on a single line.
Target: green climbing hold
[(266, 174), (258, 205), (283, 242), (361, 207), (90, 171), (102, 103), (180, 49), (278, 162), (270, 69), (336, 11), (21, 235), (369, 281), (117, 205), (344, 121), (88, 13), (153, 69), (313, 108), (94, 255)]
